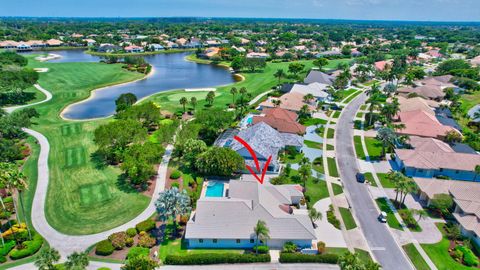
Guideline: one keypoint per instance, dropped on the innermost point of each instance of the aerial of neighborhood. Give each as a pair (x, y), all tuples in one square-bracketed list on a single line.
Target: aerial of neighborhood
[(221, 135)]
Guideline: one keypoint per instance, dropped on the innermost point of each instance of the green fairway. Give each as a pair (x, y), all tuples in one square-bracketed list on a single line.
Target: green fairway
[(256, 83), (347, 218), (82, 198)]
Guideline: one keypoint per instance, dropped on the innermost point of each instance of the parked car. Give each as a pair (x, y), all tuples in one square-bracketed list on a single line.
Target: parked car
[(382, 217), (360, 177)]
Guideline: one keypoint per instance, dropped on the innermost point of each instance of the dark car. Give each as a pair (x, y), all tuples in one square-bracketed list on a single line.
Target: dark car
[(360, 178)]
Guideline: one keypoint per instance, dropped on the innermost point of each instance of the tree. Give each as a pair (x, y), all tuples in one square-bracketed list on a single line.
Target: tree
[(124, 101), (314, 215), (254, 63), (320, 63), (352, 261), (295, 68), (308, 97), (192, 149), (304, 111), (442, 203), (172, 203), (261, 232), (148, 114), (219, 161), (47, 258), (453, 232), (183, 101), (396, 178), (477, 172), (238, 63), (452, 136), (387, 136), (422, 214), (210, 97), (141, 262), (305, 171), (193, 102), (77, 261), (280, 74), (233, 91)]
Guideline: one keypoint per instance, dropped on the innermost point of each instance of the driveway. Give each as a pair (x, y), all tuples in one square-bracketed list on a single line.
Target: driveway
[(386, 251), (325, 231)]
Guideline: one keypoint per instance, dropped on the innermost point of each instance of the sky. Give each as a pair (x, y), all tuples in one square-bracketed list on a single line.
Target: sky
[(410, 10)]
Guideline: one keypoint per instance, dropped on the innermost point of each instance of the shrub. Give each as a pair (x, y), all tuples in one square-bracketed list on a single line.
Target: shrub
[(118, 240), (175, 185), (30, 247), (5, 249), (321, 247), (289, 247), (129, 242), (104, 248), (138, 251), (215, 258), (332, 219), (145, 226), (175, 174), (3, 259), (131, 232), (469, 258), (261, 249), (145, 240), (306, 258)]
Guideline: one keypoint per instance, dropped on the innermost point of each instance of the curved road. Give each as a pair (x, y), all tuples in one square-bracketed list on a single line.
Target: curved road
[(386, 250)]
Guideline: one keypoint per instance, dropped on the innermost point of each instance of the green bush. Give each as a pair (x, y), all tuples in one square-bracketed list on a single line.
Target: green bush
[(289, 247), (145, 226), (469, 258), (137, 251), (215, 258), (175, 185), (145, 240), (3, 259), (104, 248), (30, 247), (175, 174), (5, 249), (118, 240), (306, 258), (332, 219), (129, 242), (131, 232), (261, 249)]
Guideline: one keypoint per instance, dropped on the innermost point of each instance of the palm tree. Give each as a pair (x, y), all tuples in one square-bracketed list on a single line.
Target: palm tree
[(47, 259), (308, 97), (373, 105), (276, 102), (314, 215), (409, 187), (183, 101), (261, 232), (210, 97), (233, 91), (280, 74), (388, 138), (14, 180), (77, 261), (422, 214), (304, 111), (304, 160), (396, 178), (172, 203), (193, 102), (305, 171)]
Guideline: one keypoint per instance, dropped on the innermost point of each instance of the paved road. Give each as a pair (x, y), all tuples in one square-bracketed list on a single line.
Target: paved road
[(378, 236)]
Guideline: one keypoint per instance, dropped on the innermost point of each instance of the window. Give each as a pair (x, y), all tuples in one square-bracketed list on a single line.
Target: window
[(214, 241), (252, 241), (238, 241), (420, 170), (200, 240), (441, 169), (457, 171)]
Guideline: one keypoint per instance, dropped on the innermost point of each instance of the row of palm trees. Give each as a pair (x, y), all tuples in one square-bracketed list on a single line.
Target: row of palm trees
[(193, 101), (48, 257), (403, 186)]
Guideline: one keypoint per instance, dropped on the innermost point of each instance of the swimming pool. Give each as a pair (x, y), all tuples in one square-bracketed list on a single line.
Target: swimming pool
[(214, 189)]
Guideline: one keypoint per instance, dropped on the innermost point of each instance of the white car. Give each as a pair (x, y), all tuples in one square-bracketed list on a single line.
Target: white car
[(382, 217)]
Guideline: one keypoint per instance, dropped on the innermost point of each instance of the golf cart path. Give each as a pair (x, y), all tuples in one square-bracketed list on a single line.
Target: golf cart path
[(66, 244), (48, 96)]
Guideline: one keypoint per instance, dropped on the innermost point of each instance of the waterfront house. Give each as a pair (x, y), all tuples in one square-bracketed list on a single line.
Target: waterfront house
[(90, 42), (133, 49), (257, 55), (281, 120), (108, 48), (8, 44), (228, 222), (317, 76), (23, 46), (54, 43), (156, 47)]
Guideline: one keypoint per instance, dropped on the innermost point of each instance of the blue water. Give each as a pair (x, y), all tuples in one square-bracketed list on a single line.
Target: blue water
[(250, 120), (214, 189)]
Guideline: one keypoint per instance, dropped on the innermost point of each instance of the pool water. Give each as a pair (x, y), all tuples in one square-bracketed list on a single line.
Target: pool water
[(250, 120), (214, 189)]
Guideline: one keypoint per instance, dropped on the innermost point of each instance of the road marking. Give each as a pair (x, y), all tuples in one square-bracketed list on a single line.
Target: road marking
[(377, 248)]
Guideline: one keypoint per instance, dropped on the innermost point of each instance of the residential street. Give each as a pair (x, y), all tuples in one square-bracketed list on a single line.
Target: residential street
[(381, 242)]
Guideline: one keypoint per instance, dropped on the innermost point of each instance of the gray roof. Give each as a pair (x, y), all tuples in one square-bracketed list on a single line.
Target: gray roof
[(320, 77), (472, 111), (234, 217)]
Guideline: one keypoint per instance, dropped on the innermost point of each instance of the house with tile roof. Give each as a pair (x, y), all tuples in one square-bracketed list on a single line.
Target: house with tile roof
[(228, 222), (292, 101), (466, 200), (281, 120), (428, 91), (417, 103), (316, 89), (317, 76), (432, 158), (133, 49), (423, 124)]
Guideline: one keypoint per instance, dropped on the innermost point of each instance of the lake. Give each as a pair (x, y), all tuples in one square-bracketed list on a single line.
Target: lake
[(170, 71)]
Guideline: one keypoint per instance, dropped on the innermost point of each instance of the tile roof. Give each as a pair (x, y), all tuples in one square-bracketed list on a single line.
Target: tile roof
[(416, 103), (437, 160), (320, 77), (421, 123), (289, 101), (430, 91), (281, 120), (316, 89)]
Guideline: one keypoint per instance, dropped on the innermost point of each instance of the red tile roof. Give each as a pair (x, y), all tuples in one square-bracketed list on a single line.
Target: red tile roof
[(423, 124), (281, 120)]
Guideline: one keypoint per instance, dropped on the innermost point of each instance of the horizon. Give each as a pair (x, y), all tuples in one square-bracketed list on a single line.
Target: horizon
[(362, 10)]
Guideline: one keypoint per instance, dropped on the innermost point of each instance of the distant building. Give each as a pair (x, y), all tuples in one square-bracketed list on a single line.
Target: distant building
[(319, 77), (133, 49), (156, 47)]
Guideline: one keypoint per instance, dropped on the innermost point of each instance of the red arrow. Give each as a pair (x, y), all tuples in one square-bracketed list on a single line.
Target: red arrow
[(255, 159)]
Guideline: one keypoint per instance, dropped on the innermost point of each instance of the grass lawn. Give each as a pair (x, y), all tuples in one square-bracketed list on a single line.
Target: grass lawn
[(383, 177), (438, 253), (178, 247), (330, 147), (347, 218), (391, 220), (330, 133), (351, 97), (292, 159), (336, 114), (357, 141), (363, 107), (82, 197), (370, 83), (374, 148), (357, 124), (337, 189), (256, 83), (363, 254), (415, 257), (332, 167), (314, 121), (30, 168), (316, 191), (360, 115), (313, 144), (369, 178), (345, 93)]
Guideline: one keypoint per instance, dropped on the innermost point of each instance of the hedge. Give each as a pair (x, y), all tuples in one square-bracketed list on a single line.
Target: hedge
[(31, 247), (137, 251), (145, 226), (261, 249), (104, 248), (215, 258), (306, 258), (175, 174), (5, 249), (3, 259)]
